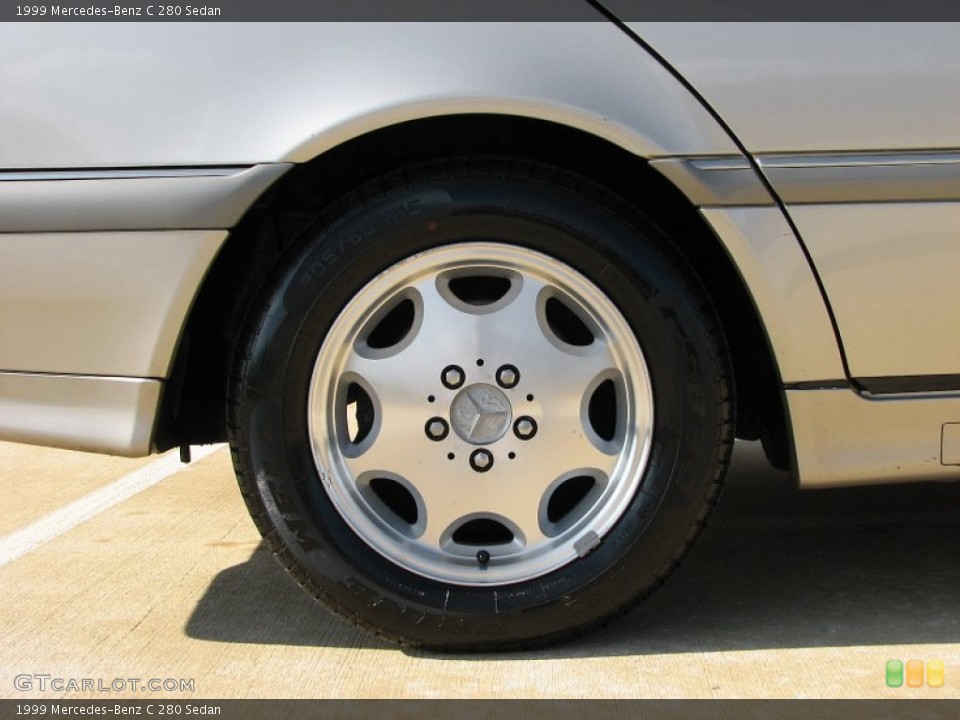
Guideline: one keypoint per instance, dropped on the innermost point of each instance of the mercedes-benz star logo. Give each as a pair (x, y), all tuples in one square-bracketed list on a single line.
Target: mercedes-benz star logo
[(481, 414)]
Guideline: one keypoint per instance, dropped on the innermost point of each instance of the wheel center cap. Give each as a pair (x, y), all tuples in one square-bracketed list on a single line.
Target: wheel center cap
[(481, 414)]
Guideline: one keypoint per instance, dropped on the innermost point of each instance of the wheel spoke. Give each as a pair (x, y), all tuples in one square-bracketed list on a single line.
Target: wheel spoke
[(399, 384), (558, 374), (400, 447), (448, 500), (457, 493), (445, 334), (562, 393), (558, 450), (500, 361)]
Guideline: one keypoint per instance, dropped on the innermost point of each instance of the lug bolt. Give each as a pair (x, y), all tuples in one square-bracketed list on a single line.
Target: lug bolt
[(525, 427), (481, 460), (437, 429), (508, 376), (452, 377)]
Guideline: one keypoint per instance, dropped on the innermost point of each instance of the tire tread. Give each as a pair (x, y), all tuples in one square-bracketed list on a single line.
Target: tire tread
[(515, 168)]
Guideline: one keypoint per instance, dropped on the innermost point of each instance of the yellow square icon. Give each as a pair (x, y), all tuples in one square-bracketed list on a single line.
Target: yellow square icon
[(915, 673), (935, 673)]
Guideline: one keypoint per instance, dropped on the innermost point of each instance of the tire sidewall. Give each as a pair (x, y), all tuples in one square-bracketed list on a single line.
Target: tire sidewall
[(628, 259)]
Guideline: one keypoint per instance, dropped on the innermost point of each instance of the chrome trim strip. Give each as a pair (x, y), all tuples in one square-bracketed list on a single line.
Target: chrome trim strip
[(909, 384), (98, 414), (805, 178), (715, 181), (715, 164), (819, 385), (131, 200), (856, 177), (118, 173), (806, 160), (842, 438)]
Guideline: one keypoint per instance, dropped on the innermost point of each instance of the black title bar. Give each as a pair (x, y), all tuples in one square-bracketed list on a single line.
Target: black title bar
[(478, 10)]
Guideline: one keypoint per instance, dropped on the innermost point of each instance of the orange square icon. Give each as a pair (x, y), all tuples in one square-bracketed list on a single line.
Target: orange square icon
[(915, 673)]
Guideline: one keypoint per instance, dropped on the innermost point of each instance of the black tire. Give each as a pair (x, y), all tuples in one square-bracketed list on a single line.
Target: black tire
[(342, 536)]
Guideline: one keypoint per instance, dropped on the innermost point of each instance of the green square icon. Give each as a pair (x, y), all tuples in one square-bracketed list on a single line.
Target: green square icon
[(894, 673)]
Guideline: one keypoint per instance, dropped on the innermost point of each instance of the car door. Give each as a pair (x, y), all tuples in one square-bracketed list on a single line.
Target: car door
[(855, 127)]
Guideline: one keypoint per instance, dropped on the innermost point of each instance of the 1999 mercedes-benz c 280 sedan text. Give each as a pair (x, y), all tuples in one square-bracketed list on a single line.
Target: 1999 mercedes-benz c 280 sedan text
[(481, 308)]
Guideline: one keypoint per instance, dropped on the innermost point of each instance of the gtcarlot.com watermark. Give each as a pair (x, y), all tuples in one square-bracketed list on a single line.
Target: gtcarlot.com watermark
[(41, 682)]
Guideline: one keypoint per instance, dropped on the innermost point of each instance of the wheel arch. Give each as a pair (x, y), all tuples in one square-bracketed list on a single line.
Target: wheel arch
[(193, 405)]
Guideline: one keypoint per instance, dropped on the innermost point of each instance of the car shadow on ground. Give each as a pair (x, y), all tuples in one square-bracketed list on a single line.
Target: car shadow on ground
[(776, 568)]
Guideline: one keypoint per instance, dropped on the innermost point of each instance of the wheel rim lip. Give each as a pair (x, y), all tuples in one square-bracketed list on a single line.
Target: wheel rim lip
[(440, 564)]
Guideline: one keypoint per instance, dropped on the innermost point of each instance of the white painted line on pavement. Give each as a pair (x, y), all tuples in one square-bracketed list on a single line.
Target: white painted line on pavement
[(28, 538)]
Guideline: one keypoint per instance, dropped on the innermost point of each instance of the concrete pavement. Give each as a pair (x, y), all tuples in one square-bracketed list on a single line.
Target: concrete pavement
[(788, 594)]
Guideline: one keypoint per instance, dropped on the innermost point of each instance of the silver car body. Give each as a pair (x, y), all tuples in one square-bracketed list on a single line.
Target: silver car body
[(825, 159)]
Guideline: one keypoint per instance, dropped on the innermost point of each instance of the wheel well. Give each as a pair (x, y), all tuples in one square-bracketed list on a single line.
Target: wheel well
[(194, 402)]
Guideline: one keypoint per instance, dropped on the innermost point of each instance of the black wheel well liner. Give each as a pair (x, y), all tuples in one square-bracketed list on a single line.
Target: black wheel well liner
[(194, 399)]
